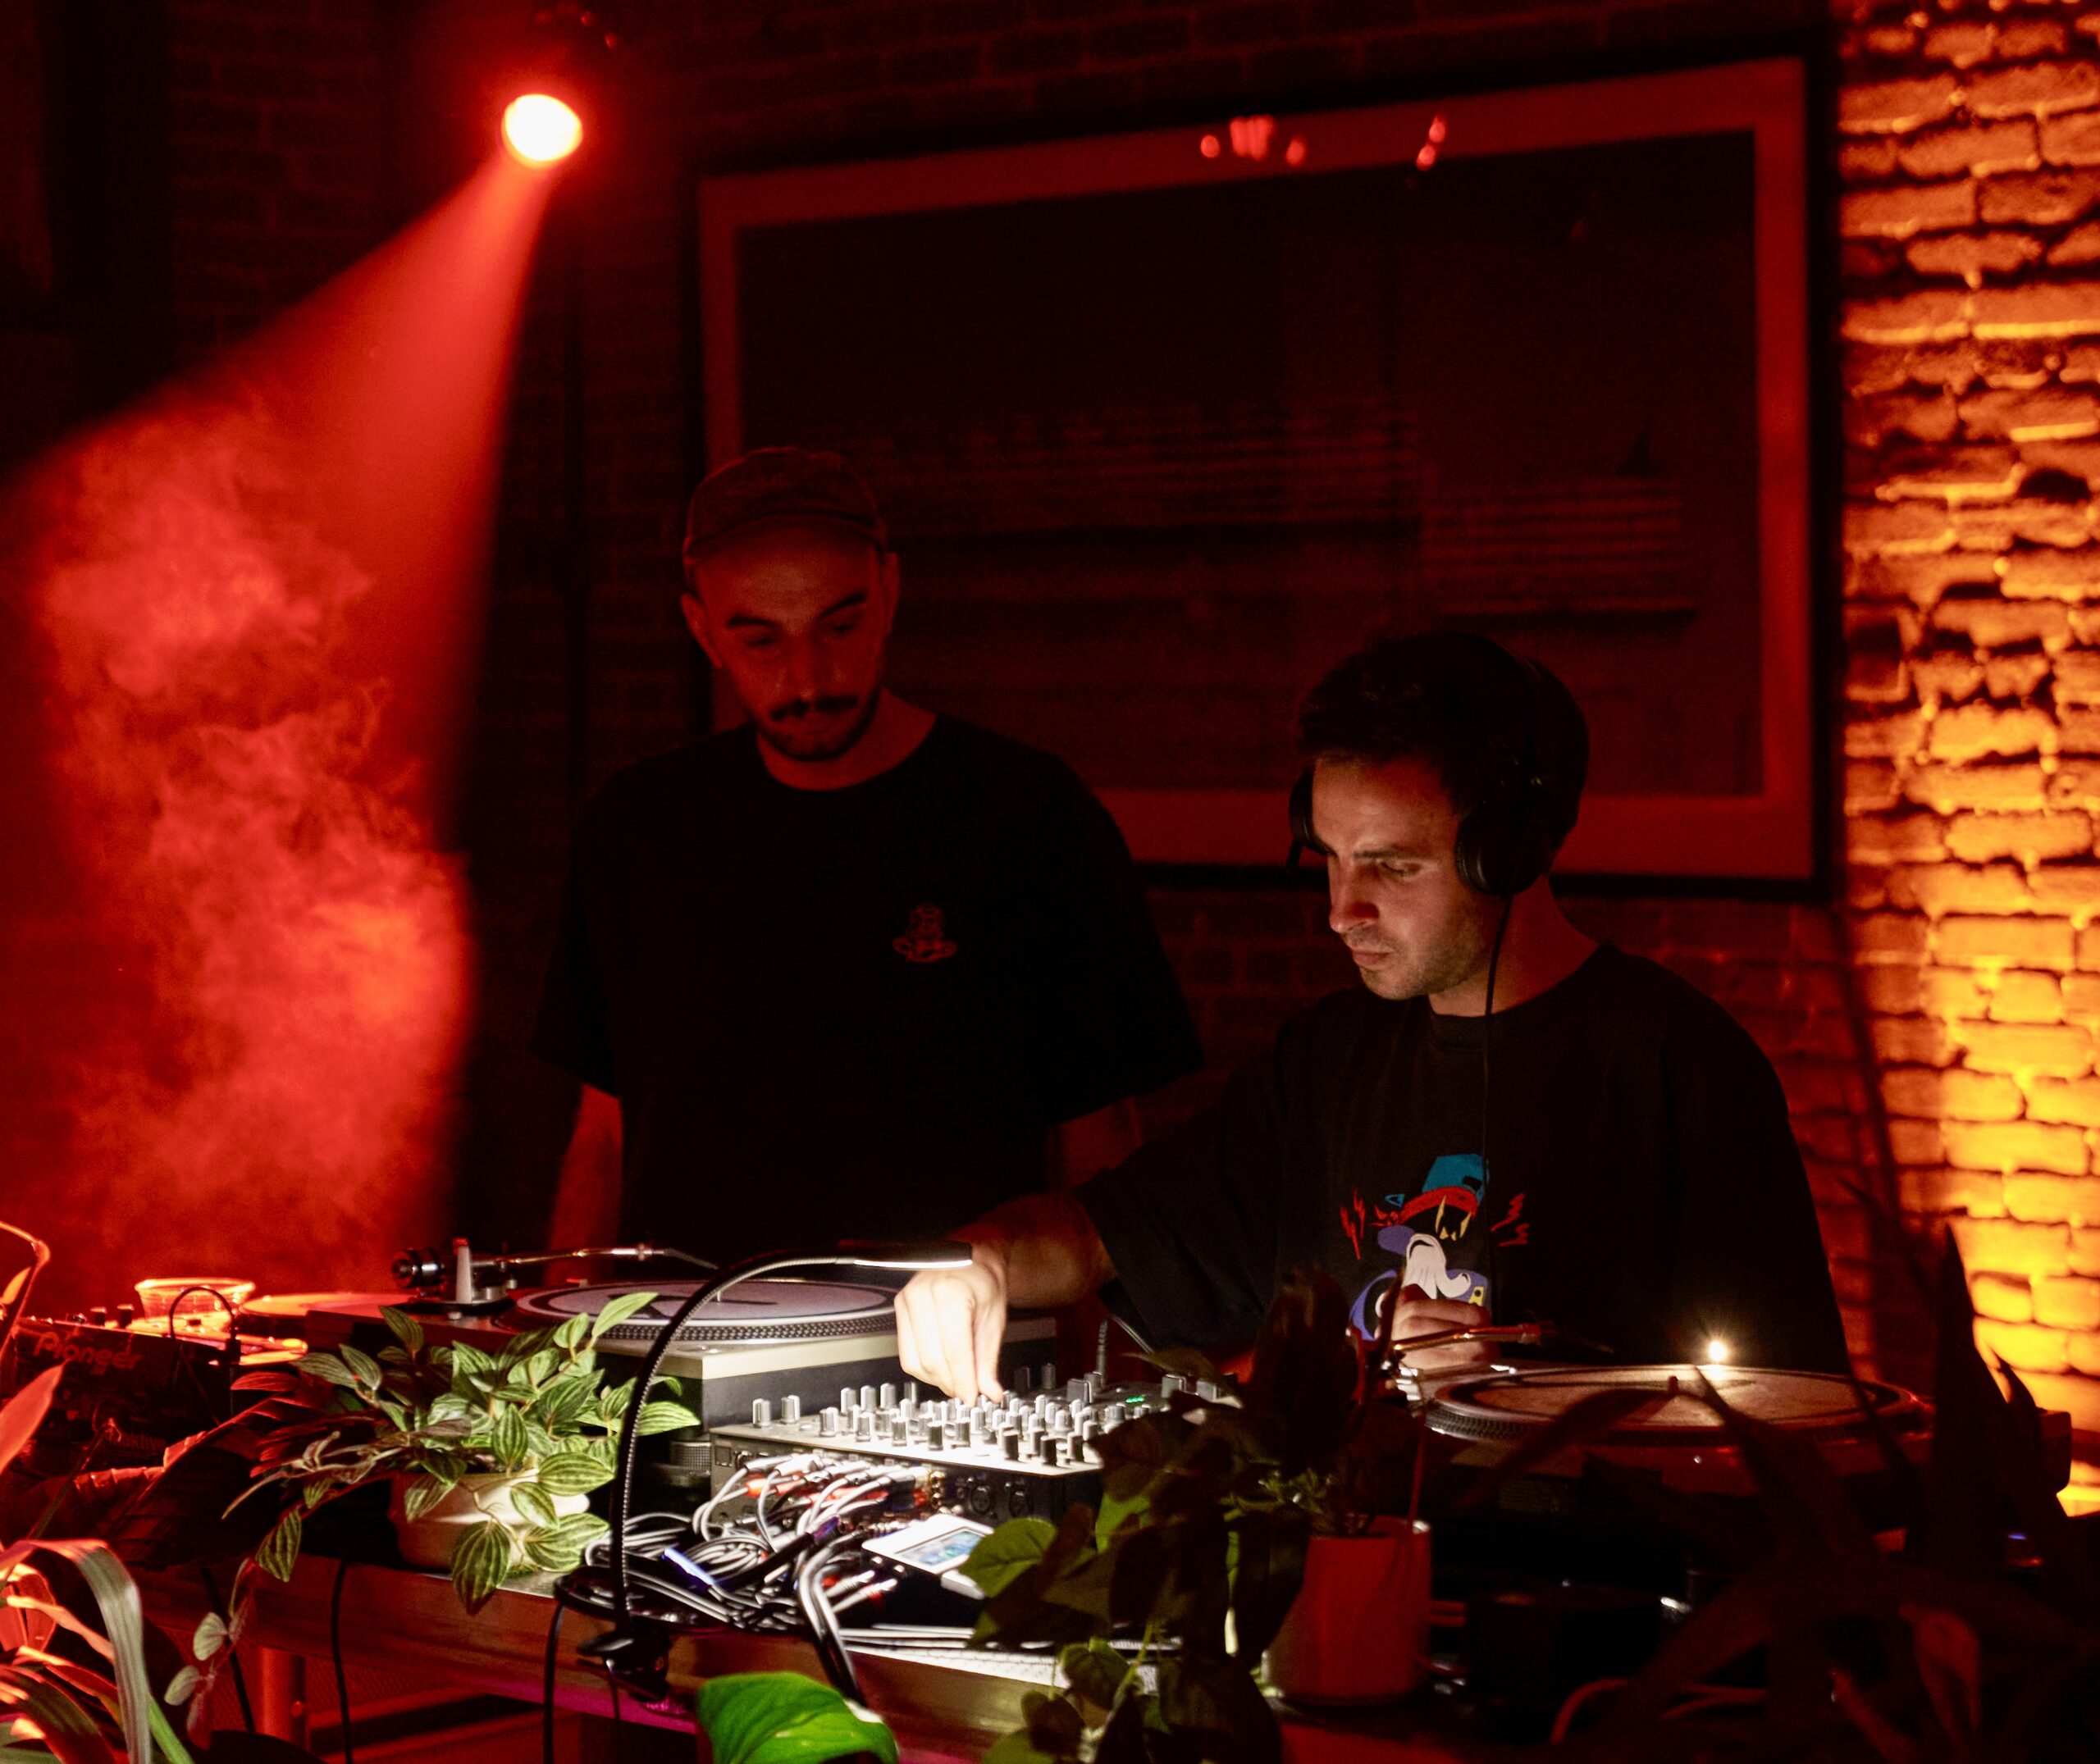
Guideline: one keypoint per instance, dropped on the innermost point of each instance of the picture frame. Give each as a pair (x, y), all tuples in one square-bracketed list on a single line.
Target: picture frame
[(1166, 420)]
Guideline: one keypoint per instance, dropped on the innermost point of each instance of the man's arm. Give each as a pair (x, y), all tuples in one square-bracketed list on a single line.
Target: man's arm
[(1041, 1250), (1094, 1143), (587, 1195)]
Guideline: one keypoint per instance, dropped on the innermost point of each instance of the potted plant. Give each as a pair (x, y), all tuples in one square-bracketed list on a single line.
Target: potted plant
[(53, 1703), (492, 1455), (1210, 1517)]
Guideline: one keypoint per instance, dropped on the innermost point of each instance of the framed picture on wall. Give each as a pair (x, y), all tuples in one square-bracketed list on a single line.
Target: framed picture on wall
[(1167, 422)]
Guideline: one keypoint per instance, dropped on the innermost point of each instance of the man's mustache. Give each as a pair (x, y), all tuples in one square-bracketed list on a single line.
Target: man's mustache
[(811, 707)]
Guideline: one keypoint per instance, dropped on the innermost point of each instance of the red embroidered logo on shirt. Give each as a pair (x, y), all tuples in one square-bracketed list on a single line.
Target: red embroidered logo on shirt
[(926, 939)]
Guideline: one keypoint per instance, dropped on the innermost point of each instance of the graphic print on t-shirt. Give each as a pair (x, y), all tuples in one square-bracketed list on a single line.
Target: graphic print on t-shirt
[(926, 939), (1435, 1236)]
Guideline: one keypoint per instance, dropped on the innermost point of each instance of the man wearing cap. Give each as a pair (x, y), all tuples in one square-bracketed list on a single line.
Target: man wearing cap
[(839, 971)]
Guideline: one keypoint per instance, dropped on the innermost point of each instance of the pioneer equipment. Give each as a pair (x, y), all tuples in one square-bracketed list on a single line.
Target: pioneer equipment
[(1032, 1454), (131, 1391)]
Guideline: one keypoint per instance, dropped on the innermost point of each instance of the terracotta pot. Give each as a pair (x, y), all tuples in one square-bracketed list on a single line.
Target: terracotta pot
[(1358, 1631), (427, 1542)]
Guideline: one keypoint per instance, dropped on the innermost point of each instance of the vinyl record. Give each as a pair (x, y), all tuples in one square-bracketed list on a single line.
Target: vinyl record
[(758, 1310), (1816, 1405)]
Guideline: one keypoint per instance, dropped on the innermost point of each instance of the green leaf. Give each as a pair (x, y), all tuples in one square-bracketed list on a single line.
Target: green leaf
[(480, 1563), (329, 1369), (542, 1366), (407, 1331), (1000, 1559), (614, 1400), (663, 1418), (569, 1336), (210, 1635), (562, 1403), (1054, 1725), (508, 1439), (468, 1358), (577, 1529), (1096, 1673), (277, 1552), (618, 1311), (533, 1502), (183, 1685), (366, 1370), (784, 1718), (449, 1407), (573, 1473), (1016, 1749), (424, 1493), (551, 1558)]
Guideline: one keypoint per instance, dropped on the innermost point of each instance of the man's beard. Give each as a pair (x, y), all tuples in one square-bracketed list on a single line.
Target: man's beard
[(1418, 974), (787, 731)]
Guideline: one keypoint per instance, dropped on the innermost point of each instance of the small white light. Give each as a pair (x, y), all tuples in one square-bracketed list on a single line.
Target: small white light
[(1717, 1352)]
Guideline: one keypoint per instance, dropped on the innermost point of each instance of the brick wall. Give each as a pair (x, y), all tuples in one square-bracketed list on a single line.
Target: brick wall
[(1971, 169), (1935, 1028)]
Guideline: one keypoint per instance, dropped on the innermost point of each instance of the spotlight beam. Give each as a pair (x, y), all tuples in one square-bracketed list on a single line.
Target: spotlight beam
[(540, 129)]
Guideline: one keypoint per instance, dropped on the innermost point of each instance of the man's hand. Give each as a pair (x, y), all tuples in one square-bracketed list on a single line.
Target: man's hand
[(950, 1322), (1428, 1316)]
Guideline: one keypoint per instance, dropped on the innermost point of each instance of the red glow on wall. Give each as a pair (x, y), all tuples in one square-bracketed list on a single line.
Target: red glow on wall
[(256, 597)]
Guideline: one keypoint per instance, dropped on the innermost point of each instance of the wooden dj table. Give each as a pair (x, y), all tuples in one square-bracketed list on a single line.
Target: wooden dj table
[(940, 1704)]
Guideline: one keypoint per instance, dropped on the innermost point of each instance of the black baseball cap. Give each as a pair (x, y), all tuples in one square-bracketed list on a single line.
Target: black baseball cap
[(779, 487)]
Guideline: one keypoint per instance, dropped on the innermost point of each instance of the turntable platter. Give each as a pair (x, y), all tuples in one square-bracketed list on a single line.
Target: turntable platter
[(758, 1310), (1511, 1406)]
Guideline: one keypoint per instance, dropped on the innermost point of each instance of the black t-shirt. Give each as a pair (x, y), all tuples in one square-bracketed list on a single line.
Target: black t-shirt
[(1642, 1187), (851, 1013)]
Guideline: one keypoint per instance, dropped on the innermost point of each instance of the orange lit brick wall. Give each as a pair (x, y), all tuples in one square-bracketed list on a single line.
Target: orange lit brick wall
[(1970, 218)]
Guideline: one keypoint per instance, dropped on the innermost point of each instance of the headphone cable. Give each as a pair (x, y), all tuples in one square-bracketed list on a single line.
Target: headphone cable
[(1487, 1032)]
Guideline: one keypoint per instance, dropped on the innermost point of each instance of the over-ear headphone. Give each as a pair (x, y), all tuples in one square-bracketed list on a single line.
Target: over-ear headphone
[(1507, 842)]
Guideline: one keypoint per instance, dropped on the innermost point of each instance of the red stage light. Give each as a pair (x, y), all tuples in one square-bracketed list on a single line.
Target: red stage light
[(540, 129)]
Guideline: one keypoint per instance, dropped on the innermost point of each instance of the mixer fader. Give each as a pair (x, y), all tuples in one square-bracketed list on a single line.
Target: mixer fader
[(1035, 1451)]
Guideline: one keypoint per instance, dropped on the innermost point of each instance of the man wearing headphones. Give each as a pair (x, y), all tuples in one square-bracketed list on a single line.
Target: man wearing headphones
[(1509, 1122)]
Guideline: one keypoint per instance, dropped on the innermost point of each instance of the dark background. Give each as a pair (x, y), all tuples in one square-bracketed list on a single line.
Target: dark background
[(210, 161)]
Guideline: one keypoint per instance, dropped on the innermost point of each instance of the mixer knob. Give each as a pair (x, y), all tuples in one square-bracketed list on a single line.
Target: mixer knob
[(829, 1423), (762, 1412), (1075, 1390), (864, 1427), (1090, 1442), (911, 1390), (867, 1396), (1048, 1375), (937, 1436), (900, 1431), (847, 1400), (886, 1398), (1021, 1379), (909, 1408), (1010, 1444), (791, 1409)]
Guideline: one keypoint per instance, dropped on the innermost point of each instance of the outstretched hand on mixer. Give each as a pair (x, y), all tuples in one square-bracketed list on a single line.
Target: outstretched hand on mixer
[(1040, 1250)]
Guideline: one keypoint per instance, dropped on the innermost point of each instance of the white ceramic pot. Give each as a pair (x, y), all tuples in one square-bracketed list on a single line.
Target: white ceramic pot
[(427, 1542), (1358, 1631)]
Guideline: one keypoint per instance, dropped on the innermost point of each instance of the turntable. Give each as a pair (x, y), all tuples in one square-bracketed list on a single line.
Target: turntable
[(1672, 1431), (766, 1338)]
